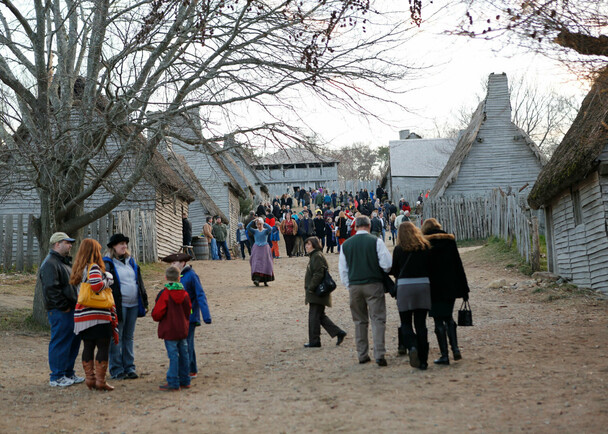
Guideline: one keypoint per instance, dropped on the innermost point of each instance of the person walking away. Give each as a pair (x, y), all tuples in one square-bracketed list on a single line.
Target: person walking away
[(411, 269), (315, 273), (393, 228), (95, 326), (243, 239), (186, 230), (198, 300), (342, 229), (363, 259), (448, 282), (319, 227), (171, 311), (60, 300), (262, 267), (289, 229), (220, 233), (330, 235), (376, 228), (131, 303), (208, 233)]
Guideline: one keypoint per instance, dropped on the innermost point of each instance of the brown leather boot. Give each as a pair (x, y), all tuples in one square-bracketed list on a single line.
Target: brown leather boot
[(100, 375), (89, 371)]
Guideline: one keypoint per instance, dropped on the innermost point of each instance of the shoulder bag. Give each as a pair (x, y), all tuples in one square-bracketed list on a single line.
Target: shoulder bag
[(326, 286), (89, 298)]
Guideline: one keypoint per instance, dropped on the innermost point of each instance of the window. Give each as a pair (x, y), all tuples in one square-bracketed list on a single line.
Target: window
[(576, 207)]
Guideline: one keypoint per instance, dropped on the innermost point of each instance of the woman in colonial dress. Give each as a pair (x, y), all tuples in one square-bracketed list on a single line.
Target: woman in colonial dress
[(262, 267)]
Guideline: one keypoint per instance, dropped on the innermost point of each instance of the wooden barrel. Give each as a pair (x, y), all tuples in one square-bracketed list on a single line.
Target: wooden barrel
[(201, 248)]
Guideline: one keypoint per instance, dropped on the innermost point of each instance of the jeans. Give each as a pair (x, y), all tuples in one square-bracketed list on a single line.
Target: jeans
[(214, 255), (243, 245), (64, 344), (177, 374), (191, 353), (223, 245), (122, 358)]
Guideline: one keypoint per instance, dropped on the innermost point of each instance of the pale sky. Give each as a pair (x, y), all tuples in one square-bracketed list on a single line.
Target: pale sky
[(462, 64)]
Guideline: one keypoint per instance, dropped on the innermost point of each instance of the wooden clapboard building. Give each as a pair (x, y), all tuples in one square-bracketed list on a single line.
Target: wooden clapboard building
[(492, 152), (573, 189)]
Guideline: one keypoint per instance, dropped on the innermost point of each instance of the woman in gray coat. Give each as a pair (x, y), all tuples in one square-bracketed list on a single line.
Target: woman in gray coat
[(315, 272)]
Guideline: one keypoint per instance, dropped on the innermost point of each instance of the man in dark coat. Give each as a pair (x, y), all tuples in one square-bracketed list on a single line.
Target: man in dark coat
[(186, 230), (60, 300)]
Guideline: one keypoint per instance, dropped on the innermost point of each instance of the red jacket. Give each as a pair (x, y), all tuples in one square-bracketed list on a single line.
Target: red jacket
[(172, 311)]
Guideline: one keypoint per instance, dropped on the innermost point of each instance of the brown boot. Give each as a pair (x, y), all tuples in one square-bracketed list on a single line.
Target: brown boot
[(89, 371), (100, 375)]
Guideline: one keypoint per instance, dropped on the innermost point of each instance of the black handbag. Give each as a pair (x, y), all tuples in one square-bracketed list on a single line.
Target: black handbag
[(465, 315), (326, 286)]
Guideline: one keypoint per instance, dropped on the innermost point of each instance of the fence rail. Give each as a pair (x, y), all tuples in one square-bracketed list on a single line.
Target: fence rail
[(19, 247), (498, 214)]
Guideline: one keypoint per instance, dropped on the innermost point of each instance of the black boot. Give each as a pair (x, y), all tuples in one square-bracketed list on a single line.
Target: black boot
[(442, 341), (412, 348), (423, 351), (453, 339), (401, 349)]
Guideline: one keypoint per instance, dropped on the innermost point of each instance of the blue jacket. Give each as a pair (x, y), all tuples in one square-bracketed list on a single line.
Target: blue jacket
[(142, 299), (192, 284)]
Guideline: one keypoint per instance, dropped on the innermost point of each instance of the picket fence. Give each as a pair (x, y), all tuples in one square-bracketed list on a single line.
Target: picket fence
[(498, 214), (19, 247)]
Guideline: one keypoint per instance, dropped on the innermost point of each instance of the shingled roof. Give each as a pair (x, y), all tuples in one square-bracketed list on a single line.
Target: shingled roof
[(469, 136), (577, 155)]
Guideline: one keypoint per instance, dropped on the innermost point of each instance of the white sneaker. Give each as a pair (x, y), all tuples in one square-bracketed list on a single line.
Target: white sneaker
[(61, 382), (76, 379)]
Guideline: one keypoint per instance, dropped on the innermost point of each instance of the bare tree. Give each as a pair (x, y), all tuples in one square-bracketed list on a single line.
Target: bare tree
[(81, 78), (572, 31), (357, 161)]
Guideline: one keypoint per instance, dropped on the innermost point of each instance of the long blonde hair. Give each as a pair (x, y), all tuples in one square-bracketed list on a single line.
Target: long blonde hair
[(410, 238)]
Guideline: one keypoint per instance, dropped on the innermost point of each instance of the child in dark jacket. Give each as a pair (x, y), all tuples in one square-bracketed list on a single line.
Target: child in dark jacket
[(172, 312)]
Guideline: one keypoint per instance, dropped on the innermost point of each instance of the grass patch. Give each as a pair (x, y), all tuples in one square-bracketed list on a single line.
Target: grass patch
[(20, 320), (496, 250), (470, 243)]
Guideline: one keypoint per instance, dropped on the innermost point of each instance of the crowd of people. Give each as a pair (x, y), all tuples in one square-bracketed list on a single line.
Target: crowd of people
[(98, 301)]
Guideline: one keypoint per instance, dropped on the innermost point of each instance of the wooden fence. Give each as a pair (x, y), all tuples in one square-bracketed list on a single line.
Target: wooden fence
[(19, 247), (498, 214)]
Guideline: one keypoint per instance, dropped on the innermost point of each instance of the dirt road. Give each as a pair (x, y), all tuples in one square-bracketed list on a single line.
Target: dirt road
[(533, 362)]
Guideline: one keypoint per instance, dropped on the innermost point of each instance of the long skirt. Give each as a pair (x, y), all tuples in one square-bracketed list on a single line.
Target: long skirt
[(262, 269)]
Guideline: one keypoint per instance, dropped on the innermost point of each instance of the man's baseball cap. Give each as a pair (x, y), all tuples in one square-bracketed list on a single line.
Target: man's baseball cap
[(57, 237)]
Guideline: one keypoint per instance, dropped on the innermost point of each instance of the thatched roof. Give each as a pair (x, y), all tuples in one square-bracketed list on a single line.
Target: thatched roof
[(161, 174), (463, 147), (180, 166), (577, 155)]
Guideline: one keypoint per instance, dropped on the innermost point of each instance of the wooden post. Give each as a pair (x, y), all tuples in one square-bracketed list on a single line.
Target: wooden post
[(535, 245), (8, 243), (29, 255), (19, 258)]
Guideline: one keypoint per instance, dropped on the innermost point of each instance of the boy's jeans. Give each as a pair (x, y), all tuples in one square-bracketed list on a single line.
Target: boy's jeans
[(178, 373), (64, 344)]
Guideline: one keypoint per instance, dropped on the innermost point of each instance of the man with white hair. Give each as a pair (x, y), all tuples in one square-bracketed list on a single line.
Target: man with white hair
[(363, 260)]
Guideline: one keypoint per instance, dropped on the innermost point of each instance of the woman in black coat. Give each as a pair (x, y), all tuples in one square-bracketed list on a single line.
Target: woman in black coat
[(448, 282), (411, 269)]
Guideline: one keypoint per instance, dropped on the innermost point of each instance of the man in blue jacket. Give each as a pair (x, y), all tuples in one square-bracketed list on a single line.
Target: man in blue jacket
[(192, 284)]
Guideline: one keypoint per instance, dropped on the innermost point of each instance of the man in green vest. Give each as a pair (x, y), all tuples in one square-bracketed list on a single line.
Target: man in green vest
[(363, 259)]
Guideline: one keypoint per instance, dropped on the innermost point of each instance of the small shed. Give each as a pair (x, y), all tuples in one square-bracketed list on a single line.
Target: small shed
[(492, 151), (416, 163), (573, 189), (289, 170)]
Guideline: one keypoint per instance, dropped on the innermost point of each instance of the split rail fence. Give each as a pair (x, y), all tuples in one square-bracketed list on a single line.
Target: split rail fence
[(498, 214), (19, 247)]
